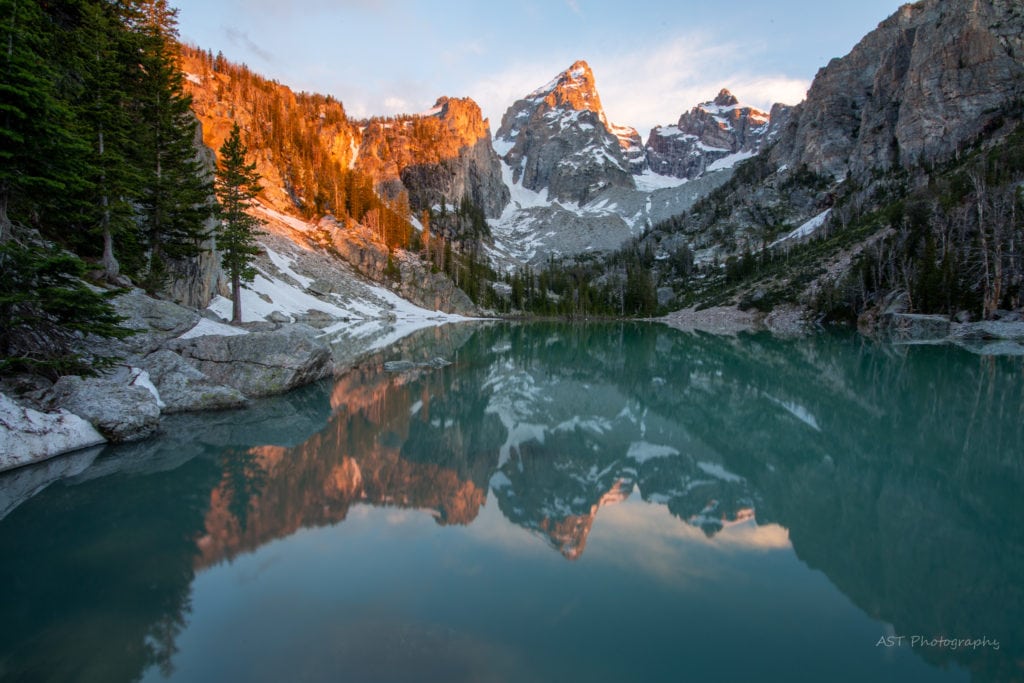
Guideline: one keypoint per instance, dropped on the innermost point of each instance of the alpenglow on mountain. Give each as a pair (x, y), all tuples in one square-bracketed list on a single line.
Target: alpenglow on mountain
[(559, 138)]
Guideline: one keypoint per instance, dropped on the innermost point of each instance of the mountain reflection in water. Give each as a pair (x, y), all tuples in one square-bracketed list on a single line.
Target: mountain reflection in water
[(895, 471)]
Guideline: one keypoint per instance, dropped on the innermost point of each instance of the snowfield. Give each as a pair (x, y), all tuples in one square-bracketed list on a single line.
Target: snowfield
[(299, 284)]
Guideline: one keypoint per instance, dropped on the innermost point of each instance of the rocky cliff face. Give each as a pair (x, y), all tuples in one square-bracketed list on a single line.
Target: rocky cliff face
[(708, 133), (932, 77), (195, 281), (445, 153), (225, 94), (416, 282), (558, 139), (632, 146)]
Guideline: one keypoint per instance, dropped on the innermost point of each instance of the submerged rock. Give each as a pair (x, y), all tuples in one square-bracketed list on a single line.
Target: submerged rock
[(28, 436), (991, 329), (260, 363), (404, 365)]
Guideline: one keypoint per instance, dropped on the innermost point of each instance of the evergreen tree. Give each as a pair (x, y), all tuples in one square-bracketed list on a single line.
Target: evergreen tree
[(177, 193), (237, 186), (107, 56), (40, 152), (46, 311)]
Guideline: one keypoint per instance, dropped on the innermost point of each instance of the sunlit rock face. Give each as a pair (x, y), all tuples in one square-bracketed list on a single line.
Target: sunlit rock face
[(442, 154), (558, 138), (711, 132)]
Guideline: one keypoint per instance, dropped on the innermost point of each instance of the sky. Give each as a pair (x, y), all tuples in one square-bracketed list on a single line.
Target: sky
[(652, 59)]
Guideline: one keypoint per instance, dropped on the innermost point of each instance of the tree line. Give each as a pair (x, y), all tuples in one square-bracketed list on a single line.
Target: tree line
[(953, 245), (98, 161)]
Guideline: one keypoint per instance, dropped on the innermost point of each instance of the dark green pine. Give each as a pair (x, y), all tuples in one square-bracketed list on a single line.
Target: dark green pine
[(105, 53), (177, 195), (237, 186), (41, 154), (47, 312)]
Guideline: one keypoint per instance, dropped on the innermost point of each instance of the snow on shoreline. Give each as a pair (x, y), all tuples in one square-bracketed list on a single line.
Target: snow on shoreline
[(286, 289)]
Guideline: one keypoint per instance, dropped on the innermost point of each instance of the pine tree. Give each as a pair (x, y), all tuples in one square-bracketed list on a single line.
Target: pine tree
[(40, 152), (46, 311), (177, 193), (107, 55), (237, 186)]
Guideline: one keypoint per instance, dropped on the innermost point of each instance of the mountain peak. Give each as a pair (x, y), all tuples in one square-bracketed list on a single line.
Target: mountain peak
[(571, 150), (573, 88), (725, 98), (713, 135), (577, 75)]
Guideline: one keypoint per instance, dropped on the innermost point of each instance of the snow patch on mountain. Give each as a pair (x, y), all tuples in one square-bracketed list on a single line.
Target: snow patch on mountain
[(719, 472), (641, 451), (295, 282), (729, 161), (649, 181), (805, 230)]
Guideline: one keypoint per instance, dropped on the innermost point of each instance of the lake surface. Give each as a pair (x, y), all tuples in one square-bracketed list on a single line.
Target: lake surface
[(603, 502)]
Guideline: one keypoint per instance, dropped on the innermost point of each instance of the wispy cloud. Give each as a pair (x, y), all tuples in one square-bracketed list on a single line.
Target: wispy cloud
[(496, 91), (242, 40), (652, 85), (574, 5)]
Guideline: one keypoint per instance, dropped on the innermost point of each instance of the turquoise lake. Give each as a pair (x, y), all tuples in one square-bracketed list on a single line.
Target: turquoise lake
[(599, 502)]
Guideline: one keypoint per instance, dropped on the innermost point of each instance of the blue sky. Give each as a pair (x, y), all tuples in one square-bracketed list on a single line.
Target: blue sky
[(652, 59)]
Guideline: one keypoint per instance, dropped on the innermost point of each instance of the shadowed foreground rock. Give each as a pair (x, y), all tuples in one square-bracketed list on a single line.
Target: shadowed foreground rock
[(120, 408), (260, 363), (28, 436)]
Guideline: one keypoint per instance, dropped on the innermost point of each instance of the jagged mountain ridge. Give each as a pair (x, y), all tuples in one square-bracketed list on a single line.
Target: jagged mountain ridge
[(581, 184), (306, 150), (580, 172), (558, 138), (903, 153), (721, 131), (444, 153)]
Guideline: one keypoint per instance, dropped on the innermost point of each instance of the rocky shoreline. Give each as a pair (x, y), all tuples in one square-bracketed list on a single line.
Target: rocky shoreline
[(783, 321), (178, 361), (1001, 337), (182, 361)]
